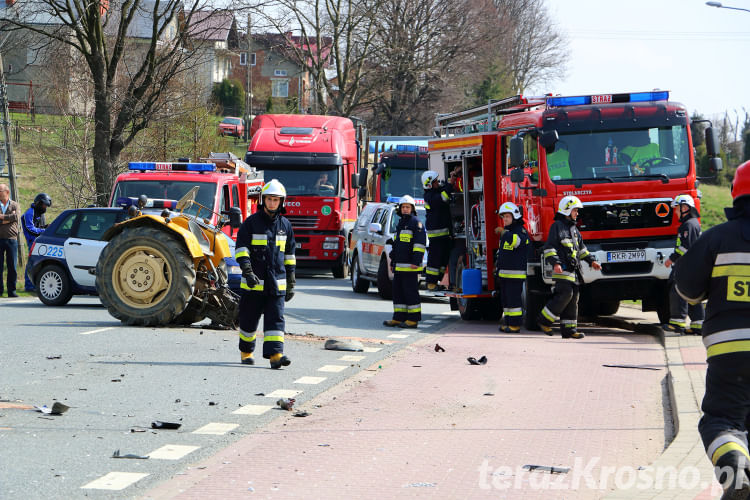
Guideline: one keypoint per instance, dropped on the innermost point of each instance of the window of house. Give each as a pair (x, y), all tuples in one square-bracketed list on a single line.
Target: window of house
[(243, 58), (252, 59), (279, 72), (280, 88)]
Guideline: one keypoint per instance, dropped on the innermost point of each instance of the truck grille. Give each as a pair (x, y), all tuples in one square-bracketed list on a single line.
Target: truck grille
[(614, 268), (625, 214), (303, 221)]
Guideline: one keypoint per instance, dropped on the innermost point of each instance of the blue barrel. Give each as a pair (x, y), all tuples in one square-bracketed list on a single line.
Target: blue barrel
[(472, 281)]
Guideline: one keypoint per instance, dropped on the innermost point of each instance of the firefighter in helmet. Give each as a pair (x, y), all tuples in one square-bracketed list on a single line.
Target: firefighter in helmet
[(564, 251), (687, 234), (510, 265), (437, 199), (33, 224), (717, 267), (265, 253), (406, 261)]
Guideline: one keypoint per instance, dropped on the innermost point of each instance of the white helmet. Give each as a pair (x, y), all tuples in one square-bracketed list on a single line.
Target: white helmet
[(274, 188), (683, 198), (567, 204), (510, 208), (407, 199), (428, 177)]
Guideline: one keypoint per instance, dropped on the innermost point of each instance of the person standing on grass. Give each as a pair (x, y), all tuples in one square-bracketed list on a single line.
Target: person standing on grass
[(9, 215)]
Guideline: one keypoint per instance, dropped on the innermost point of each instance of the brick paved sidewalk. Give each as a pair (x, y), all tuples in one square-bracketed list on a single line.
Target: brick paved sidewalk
[(428, 424)]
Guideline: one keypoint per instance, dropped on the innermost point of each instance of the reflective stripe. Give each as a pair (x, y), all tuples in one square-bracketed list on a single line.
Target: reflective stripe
[(278, 336), (432, 270), (728, 348), (513, 311), (418, 247), (407, 231), (723, 444), (259, 242), (399, 307), (726, 336), (280, 241), (732, 258), (677, 322), (569, 322), (518, 276), (680, 250), (434, 233), (585, 253), (426, 206), (692, 300), (400, 267), (406, 238), (281, 284), (413, 309), (255, 288), (241, 252), (698, 323), (564, 276), (548, 314), (549, 253), (290, 260), (445, 196), (247, 336), (732, 270), (566, 242)]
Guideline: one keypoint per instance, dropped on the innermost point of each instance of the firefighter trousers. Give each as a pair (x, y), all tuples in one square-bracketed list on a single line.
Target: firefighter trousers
[(511, 290), (271, 307), (406, 303), (438, 256), (562, 306), (679, 309), (726, 407)]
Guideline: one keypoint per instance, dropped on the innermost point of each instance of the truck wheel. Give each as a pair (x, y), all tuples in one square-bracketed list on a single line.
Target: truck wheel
[(608, 307), (341, 269), (467, 308), (359, 284), (145, 277), (53, 286), (385, 285), (532, 307)]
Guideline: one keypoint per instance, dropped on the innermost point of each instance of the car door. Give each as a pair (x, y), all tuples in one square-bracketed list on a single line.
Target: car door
[(371, 243), (83, 248)]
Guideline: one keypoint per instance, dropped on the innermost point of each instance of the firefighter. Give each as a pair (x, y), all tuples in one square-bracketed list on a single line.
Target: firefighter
[(687, 234), (406, 261), (33, 224), (717, 267), (265, 253), (510, 265), (564, 250), (437, 199)]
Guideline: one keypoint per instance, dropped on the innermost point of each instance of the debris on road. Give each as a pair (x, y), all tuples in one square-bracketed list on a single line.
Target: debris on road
[(57, 409), (302, 413), (286, 403), (55, 357), (165, 425), (547, 468), (344, 345), (488, 394), (634, 367), (260, 393), (439, 348), (116, 454), (474, 361)]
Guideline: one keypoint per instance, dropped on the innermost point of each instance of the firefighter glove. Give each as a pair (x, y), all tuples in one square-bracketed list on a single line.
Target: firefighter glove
[(291, 280), (250, 277)]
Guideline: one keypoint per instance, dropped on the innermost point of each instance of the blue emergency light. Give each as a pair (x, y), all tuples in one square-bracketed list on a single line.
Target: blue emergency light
[(167, 166), (410, 148), (560, 101), (395, 199)]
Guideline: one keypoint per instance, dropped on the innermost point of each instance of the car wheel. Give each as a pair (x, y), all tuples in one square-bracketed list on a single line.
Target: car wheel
[(385, 285), (359, 284), (53, 286)]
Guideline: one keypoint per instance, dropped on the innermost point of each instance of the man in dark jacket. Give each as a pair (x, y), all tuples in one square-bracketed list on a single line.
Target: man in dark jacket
[(564, 251), (510, 265), (265, 253), (437, 199), (34, 224), (687, 234), (406, 255), (717, 267)]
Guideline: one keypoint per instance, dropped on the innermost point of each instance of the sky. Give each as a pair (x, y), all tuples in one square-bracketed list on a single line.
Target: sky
[(700, 54)]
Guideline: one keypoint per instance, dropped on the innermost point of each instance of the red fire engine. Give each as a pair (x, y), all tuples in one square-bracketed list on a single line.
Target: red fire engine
[(626, 156), (397, 167), (316, 159), (224, 182)]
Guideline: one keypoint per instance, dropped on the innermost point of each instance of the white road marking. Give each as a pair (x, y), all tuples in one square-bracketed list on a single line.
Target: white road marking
[(332, 368), (114, 481), (309, 380), (216, 428), (352, 358), (283, 393), (397, 336), (172, 452), (252, 410), (372, 349), (432, 321), (98, 330)]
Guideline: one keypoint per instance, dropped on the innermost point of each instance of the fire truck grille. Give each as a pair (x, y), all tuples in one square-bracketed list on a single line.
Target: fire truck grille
[(614, 268), (303, 221), (625, 215)]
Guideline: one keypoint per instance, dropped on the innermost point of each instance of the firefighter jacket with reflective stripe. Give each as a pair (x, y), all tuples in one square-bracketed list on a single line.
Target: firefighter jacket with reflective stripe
[(408, 244), (717, 267), (565, 246), (689, 231), (268, 244), (438, 215), (511, 256)]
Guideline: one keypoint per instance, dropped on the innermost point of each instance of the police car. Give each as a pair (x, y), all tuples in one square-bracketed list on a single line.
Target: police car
[(371, 245), (63, 258)]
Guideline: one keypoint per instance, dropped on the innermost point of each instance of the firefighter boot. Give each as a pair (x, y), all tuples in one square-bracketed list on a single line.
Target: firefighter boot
[(542, 322), (671, 327), (278, 360), (509, 329), (731, 471), (573, 335), (392, 323), (408, 324), (431, 286), (247, 358)]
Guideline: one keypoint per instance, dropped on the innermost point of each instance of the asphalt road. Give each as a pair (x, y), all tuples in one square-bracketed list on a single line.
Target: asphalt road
[(118, 380)]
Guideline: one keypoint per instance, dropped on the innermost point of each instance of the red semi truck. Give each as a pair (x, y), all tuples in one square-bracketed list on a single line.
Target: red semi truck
[(626, 156), (316, 158)]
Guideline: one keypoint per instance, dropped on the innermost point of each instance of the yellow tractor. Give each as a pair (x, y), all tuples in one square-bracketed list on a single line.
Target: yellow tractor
[(168, 268)]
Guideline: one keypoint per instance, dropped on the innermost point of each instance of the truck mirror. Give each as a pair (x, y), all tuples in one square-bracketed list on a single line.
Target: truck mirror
[(714, 165), (380, 168), (362, 177), (362, 193), (516, 151), (548, 138), (517, 175), (355, 179), (235, 217), (712, 142)]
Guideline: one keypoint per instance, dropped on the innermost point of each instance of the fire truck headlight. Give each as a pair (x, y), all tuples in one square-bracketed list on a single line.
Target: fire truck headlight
[(331, 243)]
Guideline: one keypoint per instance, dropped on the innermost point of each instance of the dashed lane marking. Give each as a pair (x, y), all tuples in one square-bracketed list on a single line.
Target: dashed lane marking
[(172, 452), (309, 380), (114, 481), (98, 330), (372, 349), (397, 336), (252, 410), (332, 368), (216, 428), (352, 358), (283, 393), (432, 321)]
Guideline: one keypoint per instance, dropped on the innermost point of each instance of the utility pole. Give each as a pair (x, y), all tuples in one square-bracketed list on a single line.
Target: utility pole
[(248, 81)]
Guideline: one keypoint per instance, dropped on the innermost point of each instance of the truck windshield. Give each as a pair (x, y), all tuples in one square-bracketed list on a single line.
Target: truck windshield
[(620, 155), (323, 182), (168, 190), (400, 181)]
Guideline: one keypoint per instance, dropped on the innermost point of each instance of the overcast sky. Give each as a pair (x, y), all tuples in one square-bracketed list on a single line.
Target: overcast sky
[(699, 53)]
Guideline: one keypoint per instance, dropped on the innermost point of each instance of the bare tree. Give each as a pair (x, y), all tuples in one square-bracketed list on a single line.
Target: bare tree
[(128, 74)]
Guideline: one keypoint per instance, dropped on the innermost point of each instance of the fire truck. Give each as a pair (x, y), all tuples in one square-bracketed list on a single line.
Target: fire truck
[(316, 158), (224, 181), (397, 166), (626, 156)]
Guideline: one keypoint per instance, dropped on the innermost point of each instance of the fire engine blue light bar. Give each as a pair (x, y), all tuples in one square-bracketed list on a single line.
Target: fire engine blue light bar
[(560, 101), (410, 148), (159, 166), (395, 199), (649, 96), (568, 101)]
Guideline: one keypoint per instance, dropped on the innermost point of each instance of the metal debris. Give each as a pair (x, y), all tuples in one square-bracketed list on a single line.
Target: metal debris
[(116, 454), (547, 468), (634, 367)]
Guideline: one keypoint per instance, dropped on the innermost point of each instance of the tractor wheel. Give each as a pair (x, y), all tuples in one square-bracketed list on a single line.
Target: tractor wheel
[(145, 277), (190, 315)]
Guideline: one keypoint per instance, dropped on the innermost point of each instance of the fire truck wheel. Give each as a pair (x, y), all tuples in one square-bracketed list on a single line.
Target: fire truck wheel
[(385, 285), (469, 309), (145, 277), (359, 284), (341, 269)]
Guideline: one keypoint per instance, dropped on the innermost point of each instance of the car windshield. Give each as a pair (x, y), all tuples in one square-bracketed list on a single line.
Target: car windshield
[(400, 181), (168, 190), (620, 155), (421, 214), (232, 121), (298, 182)]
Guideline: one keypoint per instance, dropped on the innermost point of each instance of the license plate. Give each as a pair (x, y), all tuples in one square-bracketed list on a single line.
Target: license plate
[(626, 256)]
